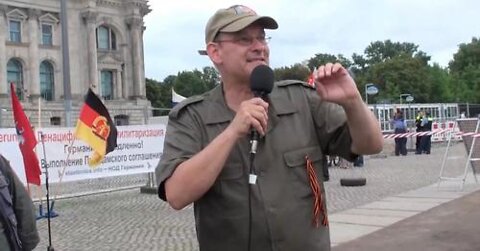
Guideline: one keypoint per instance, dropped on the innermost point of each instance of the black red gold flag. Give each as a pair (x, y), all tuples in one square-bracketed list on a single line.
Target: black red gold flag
[(96, 128)]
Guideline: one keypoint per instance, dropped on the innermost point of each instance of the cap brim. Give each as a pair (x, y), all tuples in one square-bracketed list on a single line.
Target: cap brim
[(238, 25)]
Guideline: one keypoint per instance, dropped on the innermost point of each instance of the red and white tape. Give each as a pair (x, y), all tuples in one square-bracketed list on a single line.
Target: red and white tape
[(414, 134)]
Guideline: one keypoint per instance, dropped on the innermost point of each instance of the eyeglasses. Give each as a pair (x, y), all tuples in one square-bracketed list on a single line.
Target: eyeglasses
[(247, 41)]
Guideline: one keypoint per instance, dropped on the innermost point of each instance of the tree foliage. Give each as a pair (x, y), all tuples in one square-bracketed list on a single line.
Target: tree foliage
[(297, 72), (394, 67), (465, 72), (323, 58), (186, 83), (404, 75)]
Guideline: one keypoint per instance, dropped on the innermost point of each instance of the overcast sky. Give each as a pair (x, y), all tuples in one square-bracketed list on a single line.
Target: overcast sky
[(175, 29)]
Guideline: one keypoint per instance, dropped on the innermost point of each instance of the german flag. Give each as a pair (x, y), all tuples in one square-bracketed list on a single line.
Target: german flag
[(96, 128)]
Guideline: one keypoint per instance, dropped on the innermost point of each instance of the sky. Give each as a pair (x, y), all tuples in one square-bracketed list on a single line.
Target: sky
[(175, 30)]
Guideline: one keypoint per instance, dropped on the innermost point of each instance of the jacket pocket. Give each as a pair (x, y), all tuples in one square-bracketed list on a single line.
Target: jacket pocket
[(296, 163), (296, 158)]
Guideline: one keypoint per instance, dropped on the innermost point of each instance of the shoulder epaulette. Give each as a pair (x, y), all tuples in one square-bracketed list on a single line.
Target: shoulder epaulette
[(191, 100), (284, 83)]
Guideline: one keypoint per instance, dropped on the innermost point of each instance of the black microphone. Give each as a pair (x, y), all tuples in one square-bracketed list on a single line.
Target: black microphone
[(261, 84)]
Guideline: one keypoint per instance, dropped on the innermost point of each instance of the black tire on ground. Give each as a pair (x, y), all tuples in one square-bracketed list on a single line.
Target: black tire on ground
[(353, 182)]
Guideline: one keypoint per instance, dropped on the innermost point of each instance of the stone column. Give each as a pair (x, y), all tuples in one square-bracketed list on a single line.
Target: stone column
[(3, 63), (33, 88), (91, 20), (125, 75), (118, 84), (136, 26)]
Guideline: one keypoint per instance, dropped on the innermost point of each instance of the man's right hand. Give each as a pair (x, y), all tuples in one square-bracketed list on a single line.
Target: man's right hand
[(251, 113)]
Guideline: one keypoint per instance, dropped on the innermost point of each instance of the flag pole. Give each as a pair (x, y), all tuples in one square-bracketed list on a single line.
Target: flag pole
[(39, 188), (44, 163), (60, 178)]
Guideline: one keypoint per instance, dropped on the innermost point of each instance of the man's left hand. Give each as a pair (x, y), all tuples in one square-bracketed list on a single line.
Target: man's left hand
[(334, 84)]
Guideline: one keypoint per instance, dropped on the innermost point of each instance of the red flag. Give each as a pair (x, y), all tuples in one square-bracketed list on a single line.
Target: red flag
[(311, 78), (26, 140)]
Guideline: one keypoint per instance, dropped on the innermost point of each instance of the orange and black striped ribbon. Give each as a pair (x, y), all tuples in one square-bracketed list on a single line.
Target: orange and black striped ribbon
[(317, 196)]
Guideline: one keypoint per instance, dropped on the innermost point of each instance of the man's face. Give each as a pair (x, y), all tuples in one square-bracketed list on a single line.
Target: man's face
[(240, 52)]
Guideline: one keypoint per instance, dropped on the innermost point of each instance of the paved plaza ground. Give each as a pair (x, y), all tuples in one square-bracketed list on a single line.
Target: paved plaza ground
[(130, 220)]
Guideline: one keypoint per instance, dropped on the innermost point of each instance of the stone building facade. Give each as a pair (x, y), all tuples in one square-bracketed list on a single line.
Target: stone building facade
[(105, 51)]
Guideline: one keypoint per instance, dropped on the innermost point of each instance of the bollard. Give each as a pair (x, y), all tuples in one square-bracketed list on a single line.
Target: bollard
[(151, 186)]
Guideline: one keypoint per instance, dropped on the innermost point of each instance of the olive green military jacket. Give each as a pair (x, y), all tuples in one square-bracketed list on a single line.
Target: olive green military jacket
[(299, 125), (24, 211)]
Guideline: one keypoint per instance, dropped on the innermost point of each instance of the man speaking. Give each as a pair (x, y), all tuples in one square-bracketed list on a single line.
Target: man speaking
[(272, 199)]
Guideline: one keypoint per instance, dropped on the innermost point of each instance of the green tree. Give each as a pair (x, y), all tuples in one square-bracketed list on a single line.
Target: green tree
[(297, 71), (153, 90), (159, 95), (467, 54), (440, 84), (465, 71), (190, 83), (323, 58), (398, 75), (211, 77), (381, 51), (395, 68)]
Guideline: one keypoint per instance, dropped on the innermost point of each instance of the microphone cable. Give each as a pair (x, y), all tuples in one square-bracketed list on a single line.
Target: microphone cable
[(251, 178), (261, 84)]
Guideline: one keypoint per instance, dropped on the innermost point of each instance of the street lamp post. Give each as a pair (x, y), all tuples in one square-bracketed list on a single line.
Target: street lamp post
[(406, 95), (67, 95), (371, 91), (409, 99)]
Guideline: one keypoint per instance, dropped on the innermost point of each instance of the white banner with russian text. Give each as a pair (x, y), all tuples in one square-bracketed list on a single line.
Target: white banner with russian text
[(139, 149)]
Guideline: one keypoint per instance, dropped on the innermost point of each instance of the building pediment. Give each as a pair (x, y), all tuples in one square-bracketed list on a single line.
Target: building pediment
[(109, 59), (109, 3), (17, 14), (49, 18)]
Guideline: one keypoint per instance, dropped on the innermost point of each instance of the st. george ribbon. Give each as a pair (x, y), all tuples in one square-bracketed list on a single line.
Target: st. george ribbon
[(261, 84)]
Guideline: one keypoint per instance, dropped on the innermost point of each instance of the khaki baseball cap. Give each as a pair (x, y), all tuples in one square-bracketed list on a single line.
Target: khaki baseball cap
[(233, 19)]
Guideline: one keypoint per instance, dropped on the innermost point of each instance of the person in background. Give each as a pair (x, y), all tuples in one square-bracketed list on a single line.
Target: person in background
[(400, 126), (419, 128), (426, 141), (18, 227), (278, 201)]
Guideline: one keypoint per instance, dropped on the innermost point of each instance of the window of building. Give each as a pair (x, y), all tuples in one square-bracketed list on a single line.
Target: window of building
[(15, 75), (46, 81), (106, 39), (55, 121), (47, 36), (121, 120), (15, 31), (107, 84)]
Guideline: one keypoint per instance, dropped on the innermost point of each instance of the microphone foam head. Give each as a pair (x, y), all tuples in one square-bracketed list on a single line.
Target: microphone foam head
[(261, 80)]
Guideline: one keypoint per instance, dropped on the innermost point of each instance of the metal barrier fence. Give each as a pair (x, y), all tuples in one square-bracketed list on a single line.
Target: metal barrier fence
[(440, 112)]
